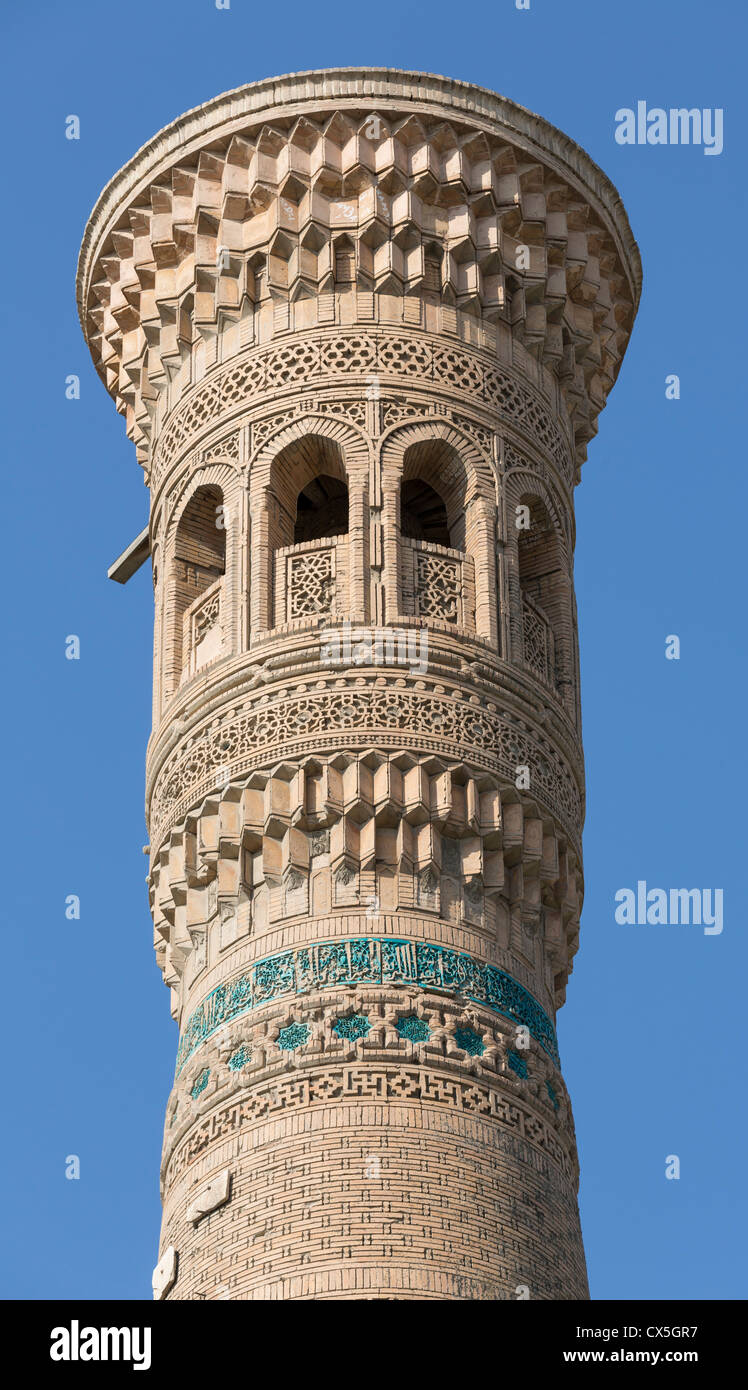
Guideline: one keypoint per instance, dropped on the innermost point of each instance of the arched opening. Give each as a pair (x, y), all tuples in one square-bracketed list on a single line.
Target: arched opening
[(544, 590), (199, 565), (308, 523), (437, 576), (321, 509), (423, 513), (433, 468)]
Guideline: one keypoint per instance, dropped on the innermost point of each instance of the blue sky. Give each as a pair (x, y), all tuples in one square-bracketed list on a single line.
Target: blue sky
[(651, 1036)]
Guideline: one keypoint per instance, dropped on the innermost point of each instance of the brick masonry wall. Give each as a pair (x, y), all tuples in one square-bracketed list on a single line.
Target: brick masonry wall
[(377, 1200)]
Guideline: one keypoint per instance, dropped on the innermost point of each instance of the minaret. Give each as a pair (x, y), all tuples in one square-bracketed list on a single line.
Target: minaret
[(360, 324)]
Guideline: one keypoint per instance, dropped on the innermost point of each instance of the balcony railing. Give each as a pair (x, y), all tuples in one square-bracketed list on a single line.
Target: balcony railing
[(537, 642), (438, 584), (202, 633), (310, 580)]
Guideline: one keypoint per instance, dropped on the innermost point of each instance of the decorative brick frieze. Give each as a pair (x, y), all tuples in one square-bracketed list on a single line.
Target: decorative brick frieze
[(367, 960), (269, 375), (390, 715), (400, 1082)]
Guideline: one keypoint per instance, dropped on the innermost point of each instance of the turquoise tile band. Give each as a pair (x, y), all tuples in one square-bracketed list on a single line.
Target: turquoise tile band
[(367, 960)]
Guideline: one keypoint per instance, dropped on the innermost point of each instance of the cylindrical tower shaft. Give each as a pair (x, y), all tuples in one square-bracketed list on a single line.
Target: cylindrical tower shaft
[(360, 324)]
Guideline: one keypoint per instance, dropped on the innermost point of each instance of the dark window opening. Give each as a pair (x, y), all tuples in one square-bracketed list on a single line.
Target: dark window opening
[(199, 560), (321, 510), (424, 515)]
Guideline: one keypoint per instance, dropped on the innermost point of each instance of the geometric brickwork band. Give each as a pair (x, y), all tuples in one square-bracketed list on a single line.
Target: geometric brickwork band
[(367, 960), (276, 1099)]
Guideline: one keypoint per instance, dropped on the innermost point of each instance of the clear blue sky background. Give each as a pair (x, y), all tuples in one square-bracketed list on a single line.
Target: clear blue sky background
[(652, 1036)]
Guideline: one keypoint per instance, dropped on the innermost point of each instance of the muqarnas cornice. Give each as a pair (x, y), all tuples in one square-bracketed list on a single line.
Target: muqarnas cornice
[(235, 214)]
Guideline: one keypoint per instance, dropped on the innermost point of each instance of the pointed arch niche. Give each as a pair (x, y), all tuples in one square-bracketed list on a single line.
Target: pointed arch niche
[(439, 504), (307, 505), (200, 583), (542, 617)]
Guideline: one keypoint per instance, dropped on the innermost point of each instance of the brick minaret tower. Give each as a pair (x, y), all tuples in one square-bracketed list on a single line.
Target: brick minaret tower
[(360, 324)]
